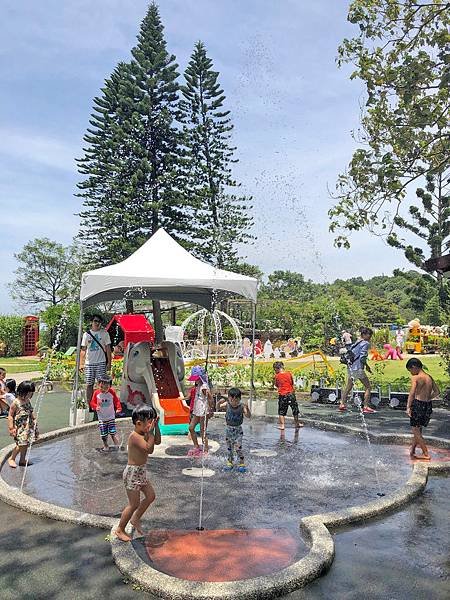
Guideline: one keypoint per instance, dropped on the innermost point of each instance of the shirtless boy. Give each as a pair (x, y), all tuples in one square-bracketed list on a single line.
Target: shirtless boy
[(419, 409), (141, 443)]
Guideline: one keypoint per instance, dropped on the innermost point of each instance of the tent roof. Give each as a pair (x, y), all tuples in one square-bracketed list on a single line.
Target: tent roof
[(161, 269)]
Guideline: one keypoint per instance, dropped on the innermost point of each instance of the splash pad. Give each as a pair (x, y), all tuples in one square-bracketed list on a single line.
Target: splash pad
[(299, 479)]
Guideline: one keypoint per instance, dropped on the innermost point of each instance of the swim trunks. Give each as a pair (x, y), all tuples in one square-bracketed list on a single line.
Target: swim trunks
[(420, 413), (234, 435), (135, 477), (284, 402), (107, 427)]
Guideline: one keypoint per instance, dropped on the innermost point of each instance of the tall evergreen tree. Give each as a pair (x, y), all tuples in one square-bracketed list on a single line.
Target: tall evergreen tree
[(132, 160), (221, 217)]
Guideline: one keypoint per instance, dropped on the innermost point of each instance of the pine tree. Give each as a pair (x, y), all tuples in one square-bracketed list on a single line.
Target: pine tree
[(132, 161), (221, 220)]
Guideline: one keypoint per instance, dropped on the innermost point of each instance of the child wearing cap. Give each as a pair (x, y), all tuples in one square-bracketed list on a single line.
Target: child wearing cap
[(202, 408), (106, 403)]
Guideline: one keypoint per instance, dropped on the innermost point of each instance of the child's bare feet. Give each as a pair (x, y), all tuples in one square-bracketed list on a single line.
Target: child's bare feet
[(121, 535), (280, 427), (137, 526), (413, 455), (298, 425), (424, 457), (12, 463)]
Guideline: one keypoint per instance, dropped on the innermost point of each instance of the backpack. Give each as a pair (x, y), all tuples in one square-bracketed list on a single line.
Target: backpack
[(348, 358)]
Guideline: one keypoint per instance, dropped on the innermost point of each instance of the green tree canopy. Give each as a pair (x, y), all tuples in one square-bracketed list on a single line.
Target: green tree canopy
[(220, 220), (397, 181), (47, 273)]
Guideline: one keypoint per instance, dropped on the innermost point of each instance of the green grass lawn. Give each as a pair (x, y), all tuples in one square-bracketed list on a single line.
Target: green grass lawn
[(388, 371), (23, 364)]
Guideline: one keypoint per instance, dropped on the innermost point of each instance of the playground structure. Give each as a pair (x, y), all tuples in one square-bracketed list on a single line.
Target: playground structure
[(155, 376), (202, 335), (424, 339), (126, 328)]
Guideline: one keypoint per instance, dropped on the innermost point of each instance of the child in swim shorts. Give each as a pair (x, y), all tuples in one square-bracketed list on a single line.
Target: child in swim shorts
[(234, 417), (141, 443)]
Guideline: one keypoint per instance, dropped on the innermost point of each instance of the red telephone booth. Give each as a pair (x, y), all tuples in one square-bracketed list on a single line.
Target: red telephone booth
[(30, 336), (124, 329)]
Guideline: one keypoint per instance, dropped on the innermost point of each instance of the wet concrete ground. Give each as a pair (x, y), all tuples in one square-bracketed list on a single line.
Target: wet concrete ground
[(405, 556), (312, 471)]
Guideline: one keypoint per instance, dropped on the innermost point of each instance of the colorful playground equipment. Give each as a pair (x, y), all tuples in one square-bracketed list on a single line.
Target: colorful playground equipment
[(392, 353), (127, 328), (424, 339), (155, 376)]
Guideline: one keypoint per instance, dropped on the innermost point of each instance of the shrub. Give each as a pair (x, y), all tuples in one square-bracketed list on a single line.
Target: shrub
[(11, 328)]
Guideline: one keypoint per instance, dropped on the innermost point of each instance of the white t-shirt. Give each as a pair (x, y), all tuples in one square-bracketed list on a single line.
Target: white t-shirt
[(9, 398), (105, 410), (94, 352), (201, 401)]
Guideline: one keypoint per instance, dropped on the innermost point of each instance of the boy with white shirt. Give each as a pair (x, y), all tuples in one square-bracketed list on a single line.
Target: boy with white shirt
[(106, 403)]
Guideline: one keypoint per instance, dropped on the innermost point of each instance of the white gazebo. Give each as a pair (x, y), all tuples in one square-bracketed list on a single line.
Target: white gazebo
[(161, 269)]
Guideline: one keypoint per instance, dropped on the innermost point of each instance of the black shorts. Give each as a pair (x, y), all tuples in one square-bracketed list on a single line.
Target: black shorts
[(286, 401), (420, 413)]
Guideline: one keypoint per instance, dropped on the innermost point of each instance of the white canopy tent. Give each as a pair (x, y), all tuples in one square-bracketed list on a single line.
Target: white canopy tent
[(160, 269), (163, 270)]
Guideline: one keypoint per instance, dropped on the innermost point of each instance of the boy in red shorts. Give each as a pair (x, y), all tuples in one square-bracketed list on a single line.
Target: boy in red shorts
[(284, 382)]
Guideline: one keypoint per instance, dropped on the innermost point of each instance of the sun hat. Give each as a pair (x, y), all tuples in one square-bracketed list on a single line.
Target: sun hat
[(197, 373)]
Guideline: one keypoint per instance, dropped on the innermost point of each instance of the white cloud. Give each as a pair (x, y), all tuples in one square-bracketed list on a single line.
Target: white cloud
[(40, 149)]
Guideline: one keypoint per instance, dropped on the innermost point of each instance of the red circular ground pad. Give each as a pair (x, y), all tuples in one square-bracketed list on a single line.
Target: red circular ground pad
[(221, 555)]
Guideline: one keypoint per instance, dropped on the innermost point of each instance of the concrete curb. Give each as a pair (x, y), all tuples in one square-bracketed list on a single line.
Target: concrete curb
[(297, 575), (14, 497)]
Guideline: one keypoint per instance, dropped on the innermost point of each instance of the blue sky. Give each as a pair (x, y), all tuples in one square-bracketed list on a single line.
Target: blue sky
[(293, 112)]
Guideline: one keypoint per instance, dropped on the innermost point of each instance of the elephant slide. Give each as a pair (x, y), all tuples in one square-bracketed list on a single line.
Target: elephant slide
[(150, 378)]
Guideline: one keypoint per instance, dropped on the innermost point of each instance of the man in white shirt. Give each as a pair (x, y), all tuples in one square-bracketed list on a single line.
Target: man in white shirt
[(95, 355)]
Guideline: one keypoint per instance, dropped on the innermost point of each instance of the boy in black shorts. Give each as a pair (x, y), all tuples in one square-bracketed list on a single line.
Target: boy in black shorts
[(284, 382), (419, 408)]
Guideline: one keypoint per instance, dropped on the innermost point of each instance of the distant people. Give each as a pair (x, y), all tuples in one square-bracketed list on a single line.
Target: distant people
[(419, 407), (234, 417), (268, 349), (107, 405), (284, 383), (399, 339), (22, 423), (4, 408), (141, 443), (347, 339), (201, 411), (356, 360), (95, 355)]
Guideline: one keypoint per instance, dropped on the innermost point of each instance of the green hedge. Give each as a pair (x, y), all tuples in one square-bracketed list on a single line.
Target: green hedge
[(11, 328)]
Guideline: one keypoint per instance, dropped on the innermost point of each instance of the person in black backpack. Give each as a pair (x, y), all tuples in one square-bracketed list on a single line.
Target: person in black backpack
[(95, 355), (356, 360)]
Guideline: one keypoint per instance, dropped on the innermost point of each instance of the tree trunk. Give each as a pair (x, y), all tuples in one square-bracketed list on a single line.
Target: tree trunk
[(129, 307), (157, 321)]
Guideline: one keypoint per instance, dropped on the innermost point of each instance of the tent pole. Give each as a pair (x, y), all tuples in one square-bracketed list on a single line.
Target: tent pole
[(252, 369), (73, 404)]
